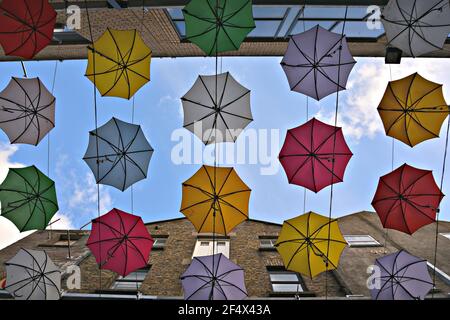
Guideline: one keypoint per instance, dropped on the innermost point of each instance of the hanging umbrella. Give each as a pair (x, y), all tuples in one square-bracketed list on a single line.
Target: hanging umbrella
[(416, 27), (407, 199), (217, 115), (310, 244), (402, 277), (119, 63), (120, 242), (317, 62), (118, 154), (28, 198), (27, 111), (215, 200), (32, 275), (26, 26), (213, 278), (315, 155), (413, 109), (218, 26)]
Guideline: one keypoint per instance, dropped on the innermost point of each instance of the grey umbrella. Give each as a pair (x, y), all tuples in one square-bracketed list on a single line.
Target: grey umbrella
[(317, 62), (213, 278), (217, 108), (403, 277), (32, 275), (27, 111), (417, 27), (118, 154)]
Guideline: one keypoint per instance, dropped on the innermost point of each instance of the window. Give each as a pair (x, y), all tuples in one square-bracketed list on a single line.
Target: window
[(160, 243), (441, 274), (204, 247), (131, 282), (447, 235), (361, 241), (284, 281), (267, 243)]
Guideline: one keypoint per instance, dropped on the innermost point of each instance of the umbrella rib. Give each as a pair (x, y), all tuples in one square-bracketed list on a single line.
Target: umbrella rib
[(235, 100), (227, 129), (198, 188), (232, 206), (209, 93), (235, 192), (204, 220), (197, 103)]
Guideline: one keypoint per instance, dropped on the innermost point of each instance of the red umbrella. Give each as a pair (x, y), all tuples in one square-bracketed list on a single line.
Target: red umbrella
[(308, 154), (407, 199), (120, 242), (26, 26)]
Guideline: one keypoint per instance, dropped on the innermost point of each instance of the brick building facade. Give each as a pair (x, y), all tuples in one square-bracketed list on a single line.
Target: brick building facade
[(248, 245)]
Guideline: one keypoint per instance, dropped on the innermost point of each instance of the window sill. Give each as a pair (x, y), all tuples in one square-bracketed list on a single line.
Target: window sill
[(292, 294)]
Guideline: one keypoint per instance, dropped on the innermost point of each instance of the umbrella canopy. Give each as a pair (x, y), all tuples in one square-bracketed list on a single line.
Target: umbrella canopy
[(26, 26), (27, 111), (413, 109), (213, 278), (403, 277), (218, 25), (317, 62), (310, 244), (315, 155), (215, 200), (119, 63), (416, 27), (120, 242), (407, 199), (217, 108), (32, 275), (118, 154), (28, 198)]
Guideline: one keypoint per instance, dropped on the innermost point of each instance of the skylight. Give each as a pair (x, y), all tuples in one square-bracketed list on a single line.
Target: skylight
[(282, 21)]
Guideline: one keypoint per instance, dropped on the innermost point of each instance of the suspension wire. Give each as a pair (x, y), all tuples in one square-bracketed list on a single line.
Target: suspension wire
[(96, 134), (24, 69), (333, 161), (444, 163), (305, 190), (386, 230), (131, 188)]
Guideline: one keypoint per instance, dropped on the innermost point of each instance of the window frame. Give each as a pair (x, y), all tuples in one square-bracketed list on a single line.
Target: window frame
[(263, 247), (162, 246), (371, 243), (301, 287), (121, 279)]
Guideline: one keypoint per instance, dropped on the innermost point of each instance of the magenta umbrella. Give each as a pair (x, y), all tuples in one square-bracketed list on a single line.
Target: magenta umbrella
[(317, 62), (120, 242), (309, 152)]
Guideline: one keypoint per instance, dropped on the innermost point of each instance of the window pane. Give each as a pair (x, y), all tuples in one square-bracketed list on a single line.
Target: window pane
[(204, 243), (125, 285), (268, 12), (265, 28), (175, 13), (266, 242), (221, 243), (287, 287), (284, 277)]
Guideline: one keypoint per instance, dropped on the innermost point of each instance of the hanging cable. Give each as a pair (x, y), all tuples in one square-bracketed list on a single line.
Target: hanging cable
[(333, 159), (96, 133), (444, 162)]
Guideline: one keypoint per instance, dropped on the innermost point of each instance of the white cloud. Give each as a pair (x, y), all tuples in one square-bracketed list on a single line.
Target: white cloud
[(358, 104), (61, 221), (8, 231)]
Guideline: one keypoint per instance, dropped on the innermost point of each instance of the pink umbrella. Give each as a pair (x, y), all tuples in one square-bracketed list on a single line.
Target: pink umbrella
[(309, 152), (120, 242)]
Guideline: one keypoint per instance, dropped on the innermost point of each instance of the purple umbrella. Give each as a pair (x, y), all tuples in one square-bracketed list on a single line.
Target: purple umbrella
[(213, 278), (317, 62), (402, 277)]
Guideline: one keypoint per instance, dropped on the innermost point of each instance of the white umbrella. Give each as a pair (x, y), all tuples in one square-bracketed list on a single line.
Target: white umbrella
[(32, 275), (219, 105), (417, 27), (27, 111), (118, 154)]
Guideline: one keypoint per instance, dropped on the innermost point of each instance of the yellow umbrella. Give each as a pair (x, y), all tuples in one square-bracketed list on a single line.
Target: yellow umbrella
[(215, 200), (306, 243), (119, 61), (413, 109)]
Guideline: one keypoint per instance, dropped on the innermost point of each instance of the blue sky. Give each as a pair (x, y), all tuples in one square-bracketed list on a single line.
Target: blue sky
[(158, 111)]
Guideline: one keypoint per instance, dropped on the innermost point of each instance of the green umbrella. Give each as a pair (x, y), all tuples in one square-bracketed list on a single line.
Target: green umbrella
[(28, 198), (218, 25)]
